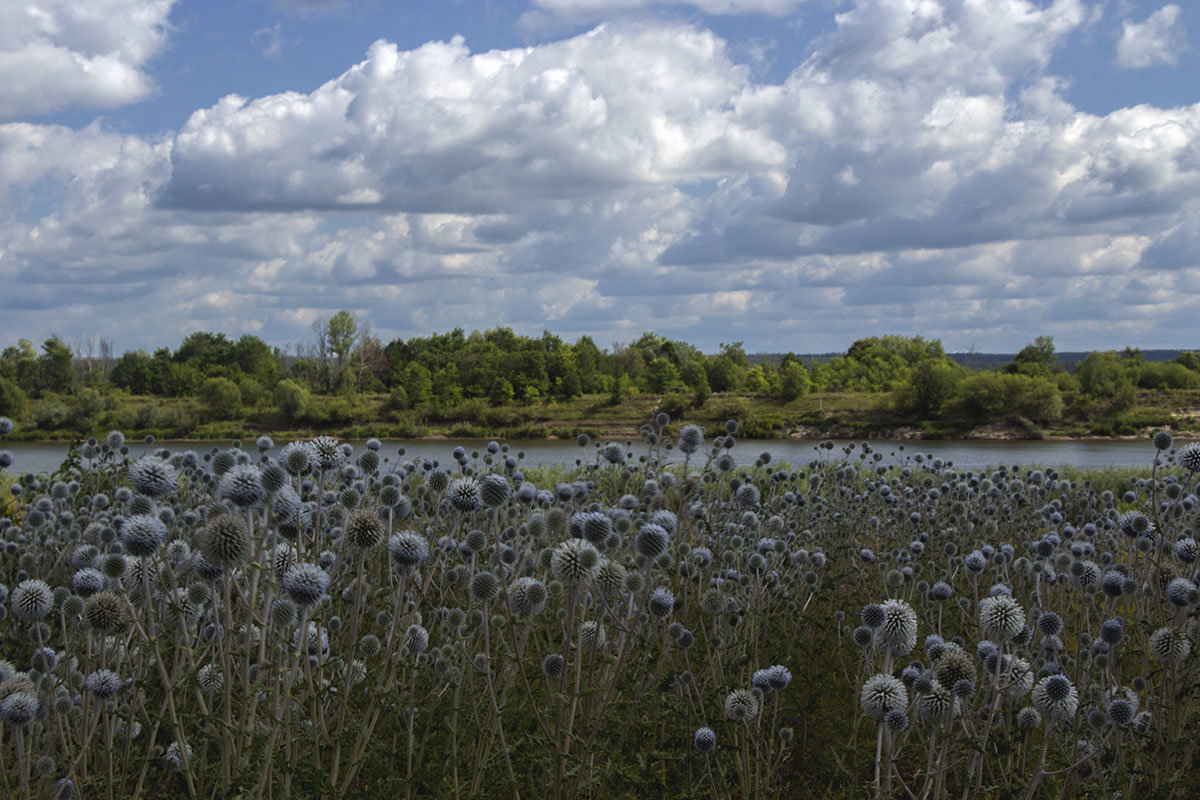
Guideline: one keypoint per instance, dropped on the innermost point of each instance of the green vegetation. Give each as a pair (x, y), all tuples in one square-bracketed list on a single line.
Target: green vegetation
[(345, 380)]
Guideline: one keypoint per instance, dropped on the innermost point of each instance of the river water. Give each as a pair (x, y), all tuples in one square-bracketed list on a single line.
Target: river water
[(974, 454)]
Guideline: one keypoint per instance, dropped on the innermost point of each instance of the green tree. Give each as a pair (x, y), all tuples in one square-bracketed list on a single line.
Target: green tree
[(501, 393), (13, 401), (56, 366), (931, 386), (132, 372), (696, 379), (292, 398), (661, 375), (1103, 374), (793, 380), (220, 397), (342, 332)]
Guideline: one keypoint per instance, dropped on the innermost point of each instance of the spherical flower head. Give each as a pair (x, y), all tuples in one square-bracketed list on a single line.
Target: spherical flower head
[(1056, 698), (954, 665), (592, 635), (494, 490), (704, 740), (31, 599), (896, 721), (652, 540), (484, 586), (6, 426), (408, 548), (242, 486), (142, 535), (661, 603), (104, 684), (1169, 646), (225, 540), (104, 612), (778, 676), (152, 476), (1188, 456), (416, 640), (175, 755), (897, 635), (87, 581), (364, 529), (1028, 718), (1181, 593), (1186, 550), (742, 705), (305, 584), (881, 694), (1001, 617), (298, 458), (873, 615), (691, 437), (527, 597), (1162, 440), (463, 494), (328, 453), (1049, 623), (19, 708), (552, 665), (941, 592), (1120, 712), (747, 495), (575, 562), (613, 453), (595, 526)]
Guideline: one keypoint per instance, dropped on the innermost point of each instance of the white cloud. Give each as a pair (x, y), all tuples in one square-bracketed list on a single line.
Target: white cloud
[(921, 172), (55, 54), (593, 9), (1156, 41)]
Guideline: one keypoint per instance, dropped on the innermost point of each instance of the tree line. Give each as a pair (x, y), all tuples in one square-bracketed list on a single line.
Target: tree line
[(63, 386)]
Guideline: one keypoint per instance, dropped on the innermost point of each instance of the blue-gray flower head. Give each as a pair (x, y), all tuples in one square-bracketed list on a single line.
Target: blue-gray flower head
[(242, 486), (152, 476), (463, 494), (142, 535), (104, 684), (408, 548), (328, 453), (305, 584)]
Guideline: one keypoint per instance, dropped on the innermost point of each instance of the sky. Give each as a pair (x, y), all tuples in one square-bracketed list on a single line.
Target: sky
[(790, 174)]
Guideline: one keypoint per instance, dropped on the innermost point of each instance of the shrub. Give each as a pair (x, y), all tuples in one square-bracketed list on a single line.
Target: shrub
[(220, 396), (292, 399)]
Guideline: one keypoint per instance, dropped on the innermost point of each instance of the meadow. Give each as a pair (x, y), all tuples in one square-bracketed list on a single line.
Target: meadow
[(308, 620)]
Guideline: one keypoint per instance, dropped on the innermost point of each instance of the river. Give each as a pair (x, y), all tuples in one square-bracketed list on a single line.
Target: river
[(973, 454)]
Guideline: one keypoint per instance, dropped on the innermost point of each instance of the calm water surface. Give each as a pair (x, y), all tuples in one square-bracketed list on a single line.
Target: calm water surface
[(46, 457)]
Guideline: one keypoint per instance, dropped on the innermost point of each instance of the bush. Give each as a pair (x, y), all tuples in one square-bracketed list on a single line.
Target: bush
[(677, 404), (13, 401), (292, 398), (221, 397)]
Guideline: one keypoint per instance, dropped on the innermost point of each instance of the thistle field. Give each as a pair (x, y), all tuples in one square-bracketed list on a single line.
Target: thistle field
[(311, 621)]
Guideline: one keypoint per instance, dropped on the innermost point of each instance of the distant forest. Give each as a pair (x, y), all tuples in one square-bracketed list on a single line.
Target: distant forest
[(344, 373)]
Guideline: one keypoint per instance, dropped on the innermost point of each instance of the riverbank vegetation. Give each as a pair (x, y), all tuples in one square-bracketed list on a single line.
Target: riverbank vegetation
[(344, 380)]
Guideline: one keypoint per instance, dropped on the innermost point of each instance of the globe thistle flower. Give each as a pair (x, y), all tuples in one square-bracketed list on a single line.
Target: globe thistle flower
[(175, 756), (328, 453), (1169, 646), (1162, 440), (897, 636), (104, 612), (1001, 617), (691, 437), (595, 526), (592, 635), (242, 486), (463, 494), (305, 584), (104, 684), (1121, 712), (1049, 623), (484, 586), (86, 582), (747, 495), (704, 740), (416, 640), (610, 577), (896, 721), (651, 540), (6, 426), (152, 476), (31, 599), (742, 705), (1019, 675), (1028, 718), (1188, 456), (364, 529), (494, 490), (527, 597), (552, 665), (1182, 593), (225, 540), (142, 535), (613, 453), (408, 548), (19, 708), (941, 592), (954, 665), (936, 703), (210, 678), (881, 694), (298, 458), (661, 603), (575, 562), (1056, 698), (1186, 550), (873, 615)]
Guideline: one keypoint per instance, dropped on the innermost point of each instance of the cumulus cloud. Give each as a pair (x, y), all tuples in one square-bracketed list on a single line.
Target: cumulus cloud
[(56, 54), (920, 171), (597, 8), (1153, 42)]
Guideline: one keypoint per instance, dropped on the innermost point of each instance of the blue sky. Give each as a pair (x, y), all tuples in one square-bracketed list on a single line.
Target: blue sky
[(794, 174)]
